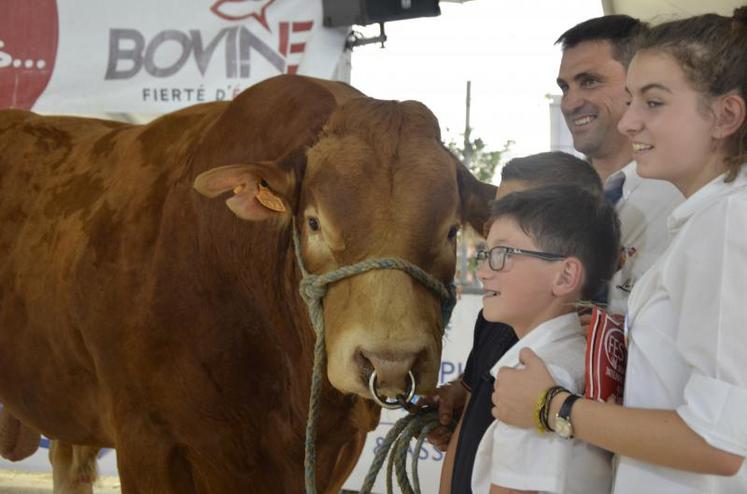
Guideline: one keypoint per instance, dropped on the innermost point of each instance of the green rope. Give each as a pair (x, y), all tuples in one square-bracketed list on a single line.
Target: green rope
[(313, 288)]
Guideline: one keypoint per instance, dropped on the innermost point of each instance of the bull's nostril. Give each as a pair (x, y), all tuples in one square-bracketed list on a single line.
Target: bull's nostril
[(365, 367), (420, 363)]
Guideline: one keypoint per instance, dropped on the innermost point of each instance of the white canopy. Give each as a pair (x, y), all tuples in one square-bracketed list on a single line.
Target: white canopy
[(661, 10)]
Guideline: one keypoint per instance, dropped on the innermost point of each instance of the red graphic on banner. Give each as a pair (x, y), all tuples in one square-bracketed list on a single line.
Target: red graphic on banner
[(284, 41), (28, 48), (237, 10)]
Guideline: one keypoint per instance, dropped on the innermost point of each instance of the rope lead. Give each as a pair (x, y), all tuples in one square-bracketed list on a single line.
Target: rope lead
[(395, 445), (313, 288)]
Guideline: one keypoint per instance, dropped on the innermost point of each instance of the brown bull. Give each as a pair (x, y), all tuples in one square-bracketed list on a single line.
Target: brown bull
[(138, 314)]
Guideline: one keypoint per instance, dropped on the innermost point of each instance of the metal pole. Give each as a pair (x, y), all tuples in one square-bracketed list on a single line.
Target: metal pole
[(467, 160), (467, 130)]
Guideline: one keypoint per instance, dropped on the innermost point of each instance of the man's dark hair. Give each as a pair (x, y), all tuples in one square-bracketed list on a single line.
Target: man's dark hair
[(621, 31), (568, 220), (552, 168)]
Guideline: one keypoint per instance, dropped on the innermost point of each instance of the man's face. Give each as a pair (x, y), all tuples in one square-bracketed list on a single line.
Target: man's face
[(593, 86)]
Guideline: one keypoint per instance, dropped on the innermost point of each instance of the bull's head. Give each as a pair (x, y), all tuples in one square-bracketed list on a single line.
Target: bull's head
[(377, 183)]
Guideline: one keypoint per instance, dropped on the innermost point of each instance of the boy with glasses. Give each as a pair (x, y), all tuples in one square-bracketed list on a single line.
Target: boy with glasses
[(548, 249), (468, 397)]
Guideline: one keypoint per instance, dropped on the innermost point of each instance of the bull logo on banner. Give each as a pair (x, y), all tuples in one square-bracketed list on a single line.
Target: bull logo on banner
[(28, 48), (237, 10)]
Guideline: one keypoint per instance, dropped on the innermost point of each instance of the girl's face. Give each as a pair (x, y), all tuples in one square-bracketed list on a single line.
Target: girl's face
[(670, 124)]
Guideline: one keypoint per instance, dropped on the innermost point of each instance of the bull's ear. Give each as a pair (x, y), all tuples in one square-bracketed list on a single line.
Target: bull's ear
[(475, 197), (260, 190)]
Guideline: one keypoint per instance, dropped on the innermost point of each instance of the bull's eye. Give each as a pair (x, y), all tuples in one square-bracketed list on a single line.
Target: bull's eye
[(313, 224), (453, 232)]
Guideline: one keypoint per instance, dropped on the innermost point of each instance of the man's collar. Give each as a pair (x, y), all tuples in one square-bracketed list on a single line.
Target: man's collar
[(632, 179)]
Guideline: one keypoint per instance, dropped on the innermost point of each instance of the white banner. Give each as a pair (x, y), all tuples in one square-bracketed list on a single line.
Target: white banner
[(141, 56)]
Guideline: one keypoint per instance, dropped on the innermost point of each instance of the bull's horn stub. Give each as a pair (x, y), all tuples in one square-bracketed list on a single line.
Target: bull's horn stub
[(269, 200)]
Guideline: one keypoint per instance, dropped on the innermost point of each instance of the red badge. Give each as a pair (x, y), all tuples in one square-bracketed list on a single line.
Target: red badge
[(28, 48), (606, 355)]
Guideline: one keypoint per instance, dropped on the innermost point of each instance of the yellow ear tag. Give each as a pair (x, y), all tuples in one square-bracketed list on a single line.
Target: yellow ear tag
[(268, 199)]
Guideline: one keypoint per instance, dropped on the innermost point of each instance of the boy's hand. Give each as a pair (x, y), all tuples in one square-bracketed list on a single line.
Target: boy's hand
[(516, 390), (449, 399)]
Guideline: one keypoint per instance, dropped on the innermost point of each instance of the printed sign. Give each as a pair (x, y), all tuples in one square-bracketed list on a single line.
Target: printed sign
[(28, 47), (95, 57)]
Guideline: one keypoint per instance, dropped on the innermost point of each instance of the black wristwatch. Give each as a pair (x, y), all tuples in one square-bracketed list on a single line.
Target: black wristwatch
[(563, 426)]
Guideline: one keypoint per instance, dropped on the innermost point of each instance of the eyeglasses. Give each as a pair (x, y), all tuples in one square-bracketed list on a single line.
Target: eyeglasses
[(496, 256)]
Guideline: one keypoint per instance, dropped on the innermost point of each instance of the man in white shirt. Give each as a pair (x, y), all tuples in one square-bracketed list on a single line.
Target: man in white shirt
[(592, 73)]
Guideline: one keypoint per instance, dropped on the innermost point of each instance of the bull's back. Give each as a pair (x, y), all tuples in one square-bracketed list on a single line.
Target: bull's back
[(80, 205), (73, 187), (35, 152)]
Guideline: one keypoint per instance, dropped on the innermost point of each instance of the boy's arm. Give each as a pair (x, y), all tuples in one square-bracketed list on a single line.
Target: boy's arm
[(496, 489), (447, 468)]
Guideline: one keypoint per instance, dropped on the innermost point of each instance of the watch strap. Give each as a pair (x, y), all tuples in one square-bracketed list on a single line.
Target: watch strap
[(565, 408)]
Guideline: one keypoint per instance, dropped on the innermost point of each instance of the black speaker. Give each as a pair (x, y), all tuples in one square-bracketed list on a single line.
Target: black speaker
[(364, 12)]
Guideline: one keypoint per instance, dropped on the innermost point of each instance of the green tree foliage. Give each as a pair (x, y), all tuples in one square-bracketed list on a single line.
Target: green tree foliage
[(474, 153)]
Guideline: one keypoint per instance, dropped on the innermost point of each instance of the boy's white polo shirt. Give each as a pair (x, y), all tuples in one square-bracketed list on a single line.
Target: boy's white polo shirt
[(523, 459)]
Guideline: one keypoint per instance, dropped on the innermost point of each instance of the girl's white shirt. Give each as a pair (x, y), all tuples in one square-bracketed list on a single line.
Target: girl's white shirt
[(687, 337)]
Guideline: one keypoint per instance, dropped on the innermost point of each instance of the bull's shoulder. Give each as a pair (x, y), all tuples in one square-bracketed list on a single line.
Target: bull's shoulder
[(306, 100), (270, 119), (311, 88), (341, 91)]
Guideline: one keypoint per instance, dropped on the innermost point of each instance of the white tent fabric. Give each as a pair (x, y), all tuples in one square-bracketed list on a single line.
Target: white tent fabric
[(663, 10)]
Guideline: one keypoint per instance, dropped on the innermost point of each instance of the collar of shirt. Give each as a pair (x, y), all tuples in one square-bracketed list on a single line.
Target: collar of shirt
[(704, 196), (546, 333)]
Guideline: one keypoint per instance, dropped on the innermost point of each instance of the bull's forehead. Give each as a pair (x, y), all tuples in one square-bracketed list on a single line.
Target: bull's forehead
[(356, 175), (385, 178)]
